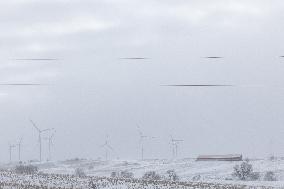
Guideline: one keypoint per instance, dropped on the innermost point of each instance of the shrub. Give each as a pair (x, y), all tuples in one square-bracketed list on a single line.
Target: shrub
[(196, 178), (79, 172), (272, 158), (126, 174), (254, 176), (26, 169), (91, 167), (151, 175), (114, 174), (244, 171), (122, 174), (270, 176), (171, 175)]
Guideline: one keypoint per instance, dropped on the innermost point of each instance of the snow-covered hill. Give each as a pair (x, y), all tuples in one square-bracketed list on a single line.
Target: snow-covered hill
[(186, 169)]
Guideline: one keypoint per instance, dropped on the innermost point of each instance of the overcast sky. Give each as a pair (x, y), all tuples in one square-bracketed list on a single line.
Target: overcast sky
[(90, 92)]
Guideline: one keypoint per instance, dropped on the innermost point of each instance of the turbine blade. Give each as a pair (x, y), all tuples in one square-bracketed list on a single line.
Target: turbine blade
[(44, 130), (51, 137), (109, 147), (33, 123), (139, 131), (20, 141)]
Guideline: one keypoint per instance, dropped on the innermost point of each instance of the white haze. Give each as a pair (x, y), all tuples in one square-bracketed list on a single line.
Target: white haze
[(91, 92)]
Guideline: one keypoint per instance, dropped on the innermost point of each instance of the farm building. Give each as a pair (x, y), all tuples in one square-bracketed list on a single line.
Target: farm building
[(230, 157)]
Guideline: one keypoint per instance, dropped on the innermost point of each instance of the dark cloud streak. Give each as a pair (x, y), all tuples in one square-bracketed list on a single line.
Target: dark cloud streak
[(214, 57), (134, 58), (198, 85), (22, 84), (36, 59)]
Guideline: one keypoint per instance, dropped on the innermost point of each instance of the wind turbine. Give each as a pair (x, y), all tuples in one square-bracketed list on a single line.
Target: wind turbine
[(11, 146), (19, 144), (175, 143), (107, 147), (50, 143), (142, 138), (39, 136)]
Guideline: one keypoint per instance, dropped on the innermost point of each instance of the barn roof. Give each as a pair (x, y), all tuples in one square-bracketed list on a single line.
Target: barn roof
[(219, 156)]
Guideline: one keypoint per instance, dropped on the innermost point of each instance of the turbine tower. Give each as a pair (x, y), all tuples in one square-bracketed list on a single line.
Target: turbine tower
[(11, 146), (175, 143), (39, 137), (50, 143), (19, 144), (107, 147), (142, 138)]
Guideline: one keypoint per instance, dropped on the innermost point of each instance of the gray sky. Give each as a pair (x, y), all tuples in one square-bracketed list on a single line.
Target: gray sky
[(91, 92)]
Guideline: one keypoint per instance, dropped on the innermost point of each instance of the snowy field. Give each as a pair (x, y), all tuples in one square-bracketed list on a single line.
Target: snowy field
[(187, 169), (195, 174), (9, 180)]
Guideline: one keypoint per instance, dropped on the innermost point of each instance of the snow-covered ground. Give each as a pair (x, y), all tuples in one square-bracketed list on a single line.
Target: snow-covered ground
[(187, 169)]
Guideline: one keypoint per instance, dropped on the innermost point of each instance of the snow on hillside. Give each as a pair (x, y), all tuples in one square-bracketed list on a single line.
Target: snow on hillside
[(187, 169)]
